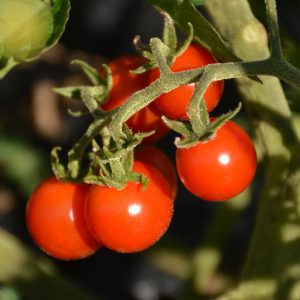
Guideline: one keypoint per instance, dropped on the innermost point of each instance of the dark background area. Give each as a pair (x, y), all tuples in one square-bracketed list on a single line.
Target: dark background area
[(99, 30)]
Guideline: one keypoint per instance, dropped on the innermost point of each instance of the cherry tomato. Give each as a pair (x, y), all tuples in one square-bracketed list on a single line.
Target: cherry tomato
[(220, 168), (174, 104), (157, 158), (124, 84), (55, 220), (131, 220)]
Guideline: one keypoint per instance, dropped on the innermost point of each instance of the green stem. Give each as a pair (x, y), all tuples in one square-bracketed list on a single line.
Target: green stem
[(274, 37), (271, 269), (169, 81), (199, 120), (156, 47), (76, 153)]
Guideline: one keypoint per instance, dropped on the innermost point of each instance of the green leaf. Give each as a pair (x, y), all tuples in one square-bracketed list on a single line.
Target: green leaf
[(27, 28), (183, 12), (197, 2)]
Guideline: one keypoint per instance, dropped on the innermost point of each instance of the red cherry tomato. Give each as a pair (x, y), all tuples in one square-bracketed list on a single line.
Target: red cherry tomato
[(131, 219), (157, 158), (55, 220), (174, 104), (220, 168), (124, 84)]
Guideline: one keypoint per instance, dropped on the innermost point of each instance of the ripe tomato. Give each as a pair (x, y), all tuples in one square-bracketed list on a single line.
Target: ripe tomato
[(124, 84), (130, 220), (157, 158), (174, 104), (55, 220), (220, 168)]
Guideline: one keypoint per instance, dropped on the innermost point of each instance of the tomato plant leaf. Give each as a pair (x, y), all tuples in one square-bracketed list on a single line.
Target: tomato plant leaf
[(27, 28), (197, 2), (183, 12)]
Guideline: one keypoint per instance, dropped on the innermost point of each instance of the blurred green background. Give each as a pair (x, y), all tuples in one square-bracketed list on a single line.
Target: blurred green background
[(201, 254)]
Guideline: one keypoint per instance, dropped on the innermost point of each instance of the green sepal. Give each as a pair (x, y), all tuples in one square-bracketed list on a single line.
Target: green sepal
[(75, 92), (91, 73), (204, 32), (143, 49), (190, 138), (187, 41), (169, 32), (168, 47), (181, 127), (101, 180), (221, 120), (139, 178), (77, 113), (187, 141), (144, 68), (72, 92), (111, 166), (58, 168), (91, 96)]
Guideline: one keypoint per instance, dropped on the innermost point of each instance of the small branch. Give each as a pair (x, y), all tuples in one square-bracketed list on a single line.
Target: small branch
[(76, 153), (198, 119), (213, 72), (275, 44), (157, 50)]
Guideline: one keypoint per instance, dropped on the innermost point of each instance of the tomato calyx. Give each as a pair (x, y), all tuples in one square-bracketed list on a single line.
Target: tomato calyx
[(206, 130), (99, 88), (168, 46), (112, 165), (107, 163)]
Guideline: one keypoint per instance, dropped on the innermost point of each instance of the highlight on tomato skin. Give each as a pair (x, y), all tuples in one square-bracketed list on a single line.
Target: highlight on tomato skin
[(174, 104), (154, 156), (55, 220), (221, 168), (126, 83), (132, 219)]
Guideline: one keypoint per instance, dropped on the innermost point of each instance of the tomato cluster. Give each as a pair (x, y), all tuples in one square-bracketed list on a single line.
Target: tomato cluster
[(71, 221)]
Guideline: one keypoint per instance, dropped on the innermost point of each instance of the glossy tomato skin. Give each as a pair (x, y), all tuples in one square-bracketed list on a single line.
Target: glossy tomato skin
[(220, 168), (174, 104), (152, 155), (56, 222), (130, 220), (124, 84)]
